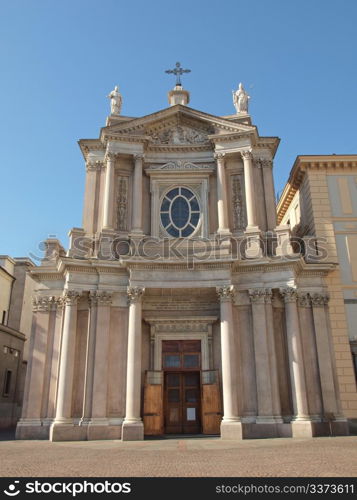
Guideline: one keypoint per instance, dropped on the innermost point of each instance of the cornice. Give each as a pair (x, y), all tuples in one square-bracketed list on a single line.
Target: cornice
[(298, 265), (176, 266), (304, 163)]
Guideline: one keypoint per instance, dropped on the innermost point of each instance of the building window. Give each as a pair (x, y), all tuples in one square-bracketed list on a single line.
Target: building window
[(180, 212), (7, 383)]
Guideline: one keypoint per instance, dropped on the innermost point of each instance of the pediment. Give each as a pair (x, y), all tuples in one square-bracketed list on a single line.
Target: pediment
[(177, 126)]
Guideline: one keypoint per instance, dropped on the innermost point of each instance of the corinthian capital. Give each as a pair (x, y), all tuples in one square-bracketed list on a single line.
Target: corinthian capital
[(219, 156), (266, 163), (260, 295), (70, 297), (319, 299), (43, 303), (135, 294), (225, 293), (289, 294), (247, 154), (138, 157), (104, 298), (109, 156), (304, 299)]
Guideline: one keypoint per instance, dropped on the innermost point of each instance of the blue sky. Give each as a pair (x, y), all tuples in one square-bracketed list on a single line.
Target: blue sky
[(59, 60)]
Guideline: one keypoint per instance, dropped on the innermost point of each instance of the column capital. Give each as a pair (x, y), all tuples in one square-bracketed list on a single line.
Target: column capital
[(265, 163), (100, 298), (247, 154), (70, 297), (260, 295), (319, 299), (219, 156), (135, 294), (94, 166), (289, 294), (138, 157), (225, 293), (43, 303), (110, 156), (303, 299)]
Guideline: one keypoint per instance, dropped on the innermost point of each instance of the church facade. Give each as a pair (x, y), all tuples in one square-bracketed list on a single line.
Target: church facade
[(181, 307)]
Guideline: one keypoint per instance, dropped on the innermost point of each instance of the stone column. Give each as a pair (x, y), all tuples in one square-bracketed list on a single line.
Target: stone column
[(222, 205), (98, 425), (276, 405), (310, 356), (231, 427), (30, 425), (248, 364), (108, 202), (137, 224), (133, 428), (90, 358), (301, 426), (252, 219), (90, 202), (319, 301), (253, 244), (265, 362), (58, 431), (268, 181)]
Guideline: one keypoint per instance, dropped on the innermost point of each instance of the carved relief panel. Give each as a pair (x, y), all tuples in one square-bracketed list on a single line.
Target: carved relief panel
[(238, 203)]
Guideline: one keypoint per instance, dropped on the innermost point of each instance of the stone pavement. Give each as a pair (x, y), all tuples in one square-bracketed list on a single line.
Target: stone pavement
[(318, 457)]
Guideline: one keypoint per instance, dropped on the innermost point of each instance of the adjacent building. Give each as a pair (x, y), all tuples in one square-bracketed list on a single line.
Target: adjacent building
[(16, 289), (319, 203)]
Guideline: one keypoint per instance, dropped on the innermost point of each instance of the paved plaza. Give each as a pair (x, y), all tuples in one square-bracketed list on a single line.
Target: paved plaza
[(319, 457)]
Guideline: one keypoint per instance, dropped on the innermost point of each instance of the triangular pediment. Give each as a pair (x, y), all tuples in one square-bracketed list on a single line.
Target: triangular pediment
[(177, 125)]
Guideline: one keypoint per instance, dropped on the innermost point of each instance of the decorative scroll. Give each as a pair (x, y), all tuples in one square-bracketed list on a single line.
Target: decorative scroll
[(238, 205), (179, 135), (122, 204)]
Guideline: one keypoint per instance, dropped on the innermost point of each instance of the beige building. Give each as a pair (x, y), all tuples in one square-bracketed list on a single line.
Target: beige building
[(320, 204), (16, 289), (181, 306)]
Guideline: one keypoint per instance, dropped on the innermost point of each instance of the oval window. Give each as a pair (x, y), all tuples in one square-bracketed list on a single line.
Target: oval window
[(180, 212)]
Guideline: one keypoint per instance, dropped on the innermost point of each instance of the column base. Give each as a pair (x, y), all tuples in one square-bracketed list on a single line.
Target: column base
[(231, 430), (101, 429), (60, 431), (32, 429), (253, 243), (132, 431), (263, 430)]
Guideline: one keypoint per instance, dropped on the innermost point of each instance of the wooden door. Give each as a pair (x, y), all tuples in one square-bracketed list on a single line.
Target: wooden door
[(211, 403), (153, 404), (182, 402)]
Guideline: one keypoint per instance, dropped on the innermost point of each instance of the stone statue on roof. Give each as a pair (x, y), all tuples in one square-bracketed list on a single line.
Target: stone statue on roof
[(116, 101), (240, 99)]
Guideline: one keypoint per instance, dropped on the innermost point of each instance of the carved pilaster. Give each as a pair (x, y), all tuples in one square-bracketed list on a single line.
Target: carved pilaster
[(135, 294), (122, 204), (238, 204), (319, 299), (260, 295), (225, 293)]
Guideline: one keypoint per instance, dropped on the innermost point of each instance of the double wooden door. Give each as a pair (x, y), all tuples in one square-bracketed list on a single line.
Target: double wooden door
[(182, 393)]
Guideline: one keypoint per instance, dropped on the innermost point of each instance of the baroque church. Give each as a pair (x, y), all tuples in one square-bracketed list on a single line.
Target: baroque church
[(180, 306)]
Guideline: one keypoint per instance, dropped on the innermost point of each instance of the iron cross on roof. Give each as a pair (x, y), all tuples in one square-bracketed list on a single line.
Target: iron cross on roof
[(178, 71)]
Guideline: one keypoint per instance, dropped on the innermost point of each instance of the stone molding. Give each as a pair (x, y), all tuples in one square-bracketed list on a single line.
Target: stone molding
[(225, 293), (289, 294), (179, 165), (135, 294)]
